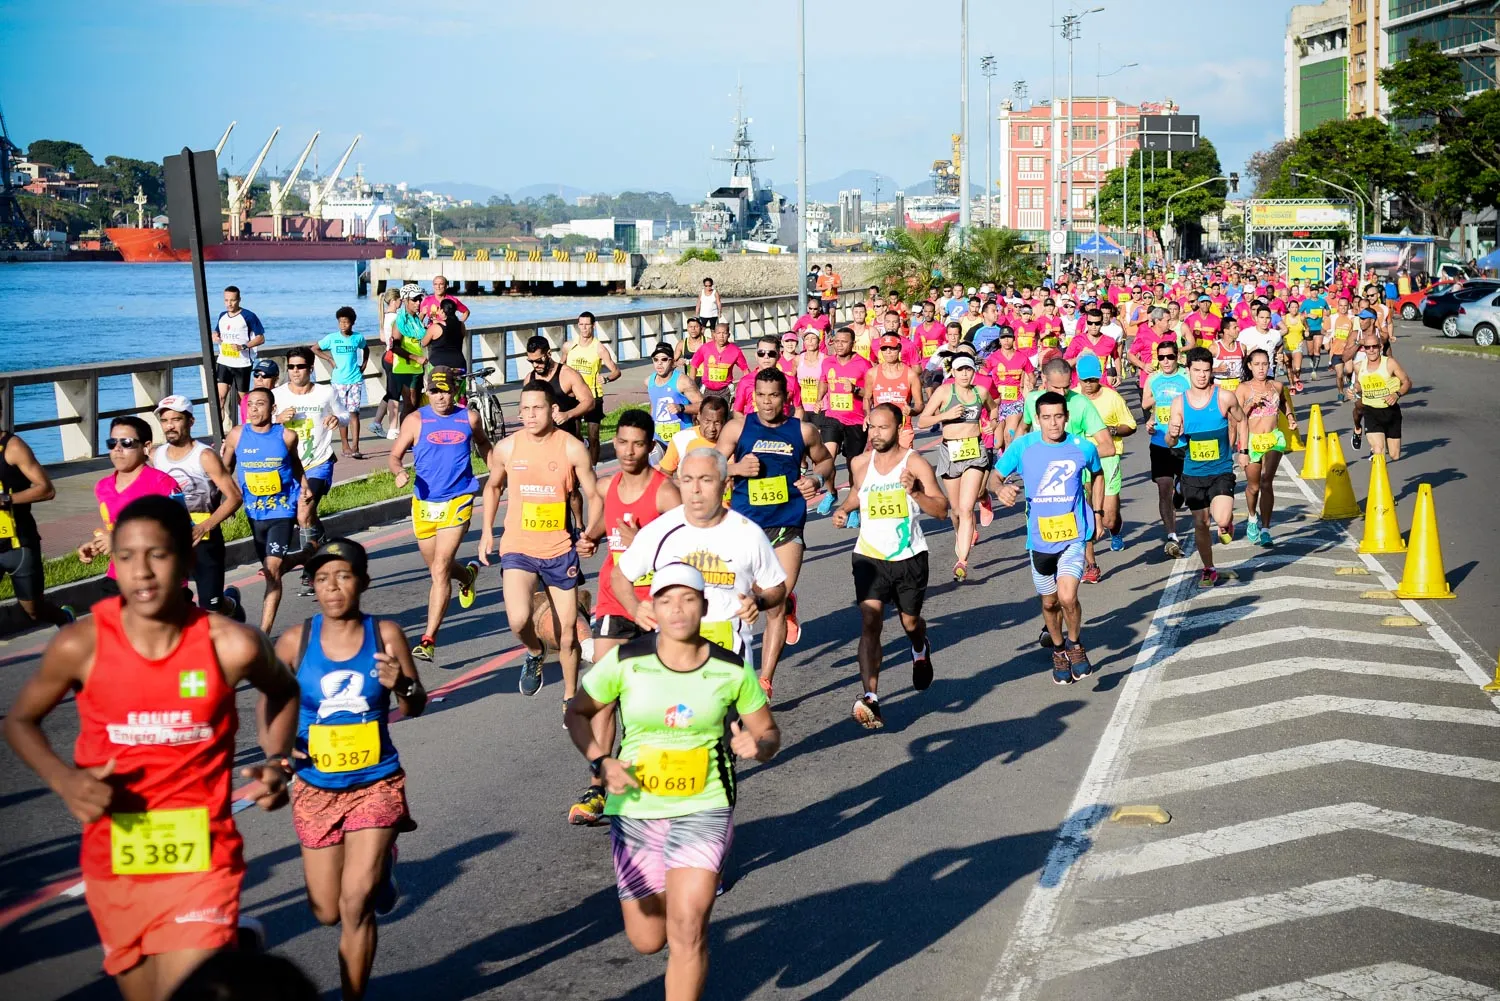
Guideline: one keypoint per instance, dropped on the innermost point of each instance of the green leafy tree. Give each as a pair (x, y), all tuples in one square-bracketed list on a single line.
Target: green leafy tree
[(64, 155), (915, 262), (995, 255), (1264, 167), (1188, 207)]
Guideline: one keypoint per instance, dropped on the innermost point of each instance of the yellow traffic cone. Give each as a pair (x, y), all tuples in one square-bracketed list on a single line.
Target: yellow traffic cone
[(1423, 576), (1382, 531), (1293, 439), (1494, 686), (1315, 460), (1338, 493)]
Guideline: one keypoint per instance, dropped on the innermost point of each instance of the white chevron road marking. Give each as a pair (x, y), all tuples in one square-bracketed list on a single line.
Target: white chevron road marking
[(1310, 705), (1290, 759), (1187, 619), (1381, 982), (1191, 925), (1289, 635), (1255, 834), (1267, 670)]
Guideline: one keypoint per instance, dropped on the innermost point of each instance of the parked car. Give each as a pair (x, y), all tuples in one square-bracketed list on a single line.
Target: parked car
[(1409, 306), (1439, 311), (1479, 320)]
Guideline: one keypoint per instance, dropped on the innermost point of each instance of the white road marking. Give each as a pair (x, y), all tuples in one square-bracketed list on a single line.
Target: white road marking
[(1270, 559), (1309, 705), (1191, 925), (1256, 834), (1269, 669), (1290, 636), (1277, 606), (1381, 982), (1289, 759)]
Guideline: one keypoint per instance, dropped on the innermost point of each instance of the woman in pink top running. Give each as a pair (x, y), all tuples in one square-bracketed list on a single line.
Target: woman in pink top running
[(129, 445)]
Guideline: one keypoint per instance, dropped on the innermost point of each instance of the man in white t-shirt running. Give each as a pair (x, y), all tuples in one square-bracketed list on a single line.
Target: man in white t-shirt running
[(237, 332), (314, 412)]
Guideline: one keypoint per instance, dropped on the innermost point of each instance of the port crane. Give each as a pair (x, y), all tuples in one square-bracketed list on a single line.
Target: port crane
[(279, 190), (219, 149), (14, 229), (239, 188), (318, 192)]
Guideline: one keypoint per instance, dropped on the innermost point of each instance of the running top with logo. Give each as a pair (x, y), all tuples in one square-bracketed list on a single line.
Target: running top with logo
[(440, 456), (716, 365), (889, 520), (341, 714), (1164, 389), (1315, 308), (1205, 330), (770, 499), (539, 478), (1114, 412), (894, 389), (263, 469), (642, 511), (1102, 348), (235, 331), (17, 525), (347, 351), (1376, 383), (1206, 432), (588, 361), (198, 491), (673, 727), (1008, 370), (1058, 513), (662, 394), (842, 404), (112, 500), (310, 410), (808, 375), (1229, 366), (411, 330), (169, 725), (732, 555), (930, 336)]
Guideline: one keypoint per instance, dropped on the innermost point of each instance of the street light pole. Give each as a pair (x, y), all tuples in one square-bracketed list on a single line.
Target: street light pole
[(1071, 27), (802, 156), (963, 130), (1125, 201), (987, 67)]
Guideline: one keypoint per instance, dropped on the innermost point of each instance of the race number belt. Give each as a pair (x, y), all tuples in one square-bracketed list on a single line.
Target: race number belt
[(1203, 450), (1058, 527), (1262, 442), (962, 449), (265, 484), (536, 517), (767, 490), (345, 748), (842, 402), (159, 842), (721, 632), (888, 503), (664, 772)]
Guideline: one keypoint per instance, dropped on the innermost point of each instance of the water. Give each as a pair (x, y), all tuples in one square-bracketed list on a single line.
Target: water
[(72, 314)]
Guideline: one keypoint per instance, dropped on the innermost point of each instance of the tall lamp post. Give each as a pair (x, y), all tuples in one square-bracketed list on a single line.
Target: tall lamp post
[(801, 156), (963, 115), (1072, 25), (1098, 91), (987, 67)]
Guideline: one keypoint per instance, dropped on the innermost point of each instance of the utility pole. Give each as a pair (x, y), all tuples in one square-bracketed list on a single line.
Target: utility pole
[(1071, 29), (963, 131), (987, 67), (801, 156), (1125, 200)]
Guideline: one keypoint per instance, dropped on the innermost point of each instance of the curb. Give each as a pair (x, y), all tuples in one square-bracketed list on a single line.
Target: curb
[(1454, 352)]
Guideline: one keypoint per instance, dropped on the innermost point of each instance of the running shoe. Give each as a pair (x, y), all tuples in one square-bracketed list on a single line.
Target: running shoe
[(307, 587), (387, 893), (1357, 439), (425, 649), (1045, 640), (1116, 542), (466, 593), (390, 434), (376, 429), (531, 672), (69, 613), (1092, 574), (589, 809), (1226, 535), (986, 510), (867, 713), (236, 603), (960, 572), (1078, 661), (793, 627), (853, 521), (250, 935), (1173, 548), (765, 686), (1252, 531), (1062, 671), (921, 670), (1265, 537), (975, 540), (825, 506), (1208, 578)]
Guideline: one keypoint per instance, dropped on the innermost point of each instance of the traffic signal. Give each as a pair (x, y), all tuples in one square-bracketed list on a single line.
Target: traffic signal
[(1234, 183)]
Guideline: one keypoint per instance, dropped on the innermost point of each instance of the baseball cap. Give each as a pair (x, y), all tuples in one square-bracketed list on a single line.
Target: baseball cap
[(890, 340), (1205, 298), (181, 404), (1089, 368), (676, 575), (1007, 331), (444, 380), (348, 550), (665, 350), (267, 367), (963, 361), (411, 290)]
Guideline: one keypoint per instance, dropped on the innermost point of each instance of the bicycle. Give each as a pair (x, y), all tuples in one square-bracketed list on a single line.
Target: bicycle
[(484, 399)]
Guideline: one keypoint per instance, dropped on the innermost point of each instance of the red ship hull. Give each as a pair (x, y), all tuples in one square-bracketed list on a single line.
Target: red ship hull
[(151, 246)]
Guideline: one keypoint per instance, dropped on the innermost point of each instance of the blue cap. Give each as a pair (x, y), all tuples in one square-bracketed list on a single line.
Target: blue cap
[(1367, 314), (267, 367), (1088, 367)]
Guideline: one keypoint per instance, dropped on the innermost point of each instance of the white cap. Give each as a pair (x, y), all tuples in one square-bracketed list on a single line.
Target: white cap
[(963, 361), (674, 575), (181, 404)]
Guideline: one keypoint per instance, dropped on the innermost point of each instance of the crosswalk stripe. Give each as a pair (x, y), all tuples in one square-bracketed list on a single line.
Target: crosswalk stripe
[(1288, 759), (1381, 982), (1279, 606), (1203, 649), (1318, 821), (1273, 559), (1310, 705), (1266, 670), (1191, 925)]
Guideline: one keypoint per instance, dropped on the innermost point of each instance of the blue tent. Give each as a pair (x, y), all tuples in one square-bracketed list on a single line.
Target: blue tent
[(1490, 261), (1096, 244)]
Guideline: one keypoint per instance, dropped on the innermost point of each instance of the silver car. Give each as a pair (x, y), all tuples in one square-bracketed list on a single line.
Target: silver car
[(1480, 320)]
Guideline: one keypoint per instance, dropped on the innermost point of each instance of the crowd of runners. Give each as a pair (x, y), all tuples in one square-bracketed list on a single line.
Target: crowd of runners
[(888, 417)]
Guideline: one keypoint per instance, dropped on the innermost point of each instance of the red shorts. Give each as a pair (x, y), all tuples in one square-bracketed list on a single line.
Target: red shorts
[(145, 916), (323, 816)]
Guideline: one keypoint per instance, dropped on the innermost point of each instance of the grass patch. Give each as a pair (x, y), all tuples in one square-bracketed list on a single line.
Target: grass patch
[(1470, 349), (371, 489)]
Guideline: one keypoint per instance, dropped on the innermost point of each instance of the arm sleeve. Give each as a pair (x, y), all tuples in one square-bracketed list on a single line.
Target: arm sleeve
[(603, 680)]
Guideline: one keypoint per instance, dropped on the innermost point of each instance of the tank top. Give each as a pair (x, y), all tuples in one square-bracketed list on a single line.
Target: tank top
[(17, 524), (808, 374), (1375, 382), (708, 307), (1206, 431), (198, 491), (440, 456), (170, 724), (341, 714), (447, 349), (895, 390), (587, 362), (539, 481), (642, 510), (565, 401), (667, 424), (971, 410), (770, 500), (263, 469), (889, 528), (1229, 366)]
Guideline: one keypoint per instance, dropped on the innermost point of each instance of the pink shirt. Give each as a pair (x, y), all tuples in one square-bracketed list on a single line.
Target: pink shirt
[(717, 364), (841, 378), (744, 395), (430, 306), (821, 322), (930, 337), (148, 481), (1103, 349)]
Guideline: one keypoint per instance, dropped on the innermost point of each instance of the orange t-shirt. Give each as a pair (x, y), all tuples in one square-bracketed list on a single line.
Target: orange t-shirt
[(539, 479)]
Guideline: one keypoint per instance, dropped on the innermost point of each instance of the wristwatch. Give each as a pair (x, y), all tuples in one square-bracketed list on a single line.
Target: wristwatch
[(597, 765), (404, 686)]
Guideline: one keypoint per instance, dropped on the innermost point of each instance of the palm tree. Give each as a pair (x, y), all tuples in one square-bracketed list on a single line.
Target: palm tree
[(996, 255), (917, 261)]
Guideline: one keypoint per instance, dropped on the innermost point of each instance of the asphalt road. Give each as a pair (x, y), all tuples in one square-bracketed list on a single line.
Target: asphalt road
[(944, 856)]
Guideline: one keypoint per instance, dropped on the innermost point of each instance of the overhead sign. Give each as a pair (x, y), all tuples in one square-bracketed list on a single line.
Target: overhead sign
[(1169, 133), (1304, 265), (1298, 214)]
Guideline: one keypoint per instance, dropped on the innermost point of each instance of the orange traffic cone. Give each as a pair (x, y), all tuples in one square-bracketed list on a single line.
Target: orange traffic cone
[(1423, 576), (1293, 440), (1315, 460), (1338, 493), (1382, 531)]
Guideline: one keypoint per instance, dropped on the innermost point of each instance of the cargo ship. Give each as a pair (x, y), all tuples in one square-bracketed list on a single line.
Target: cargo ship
[(150, 246)]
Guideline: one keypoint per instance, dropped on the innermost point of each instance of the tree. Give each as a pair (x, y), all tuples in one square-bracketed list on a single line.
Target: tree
[(1264, 167), (916, 261), (63, 155), (995, 255), (1187, 208)]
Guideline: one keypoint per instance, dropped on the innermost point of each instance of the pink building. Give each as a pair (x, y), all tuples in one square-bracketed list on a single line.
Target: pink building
[(1034, 140)]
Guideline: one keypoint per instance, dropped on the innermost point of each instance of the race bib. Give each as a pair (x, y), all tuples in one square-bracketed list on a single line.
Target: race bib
[(1163, 414), (432, 510), (842, 402), (809, 392), (1373, 388), (538, 517), (227, 350), (1203, 450), (767, 490), (890, 503), (1058, 527), (718, 373), (1229, 384), (666, 429), (663, 772), (8, 526), (198, 517), (344, 748), (1009, 393), (962, 449), (1263, 442), (721, 632), (159, 842), (264, 484), (929, 348)]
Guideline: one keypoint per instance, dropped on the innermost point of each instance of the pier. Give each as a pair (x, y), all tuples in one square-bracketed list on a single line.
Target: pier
[(509, 272)]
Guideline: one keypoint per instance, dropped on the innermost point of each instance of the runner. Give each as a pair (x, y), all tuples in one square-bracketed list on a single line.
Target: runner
[(1207, 417), (271, 479), (692, 340), (1295, 326), (633, 497), (672, 790), (211, 496), (569, 389), (1014, 377), (1262, 401), (1121, 425), (1059, 517), (890, 558), (1343, 334), (1164, 386), (841, 393), (766, 451), (1262, 336), (809, 371), (964, 412), (1228, 357), (715, 363), (710, 305), (542, 465), (713, 414), (767, 357), (441, 436), (407, 358), (129, 445), (154, 682), (674, 399), (24, 482), (237, 332), (1203, 323), (928, 332), (592, 359), (1382, 382), (1093, 343), (894, 381), (314, 411), (814, 318)]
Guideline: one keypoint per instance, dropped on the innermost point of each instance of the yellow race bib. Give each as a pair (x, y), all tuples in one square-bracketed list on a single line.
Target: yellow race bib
[(1163, 414), (264, 484), (345, 748), (432, 510), (842, 402), (8, 526), (1009, 393), (665, 772), (1229, 385), (809, 392), (227, 350), (929, 348), (1058, 527), (721, 632), (1203, 450), (537, 517), (666, 429), (718, 373), (1262, 442), (889, 503), (962, 449), (159, 842), (1373, 388), (767, 490)]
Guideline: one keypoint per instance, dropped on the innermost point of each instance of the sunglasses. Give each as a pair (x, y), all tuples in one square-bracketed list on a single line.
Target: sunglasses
[(890, 347), (1370, 347), (1093, 323), (767, 354), (125, 443), (1169, 354), (295, 368)]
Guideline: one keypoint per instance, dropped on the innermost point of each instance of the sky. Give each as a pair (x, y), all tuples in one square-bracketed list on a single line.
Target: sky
[(606, 96)]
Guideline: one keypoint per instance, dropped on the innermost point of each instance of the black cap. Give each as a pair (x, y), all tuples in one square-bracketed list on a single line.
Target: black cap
[(348, 550), (663, 349)]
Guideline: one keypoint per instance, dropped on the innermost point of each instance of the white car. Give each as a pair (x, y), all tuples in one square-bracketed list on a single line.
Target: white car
[(1480, 320)]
